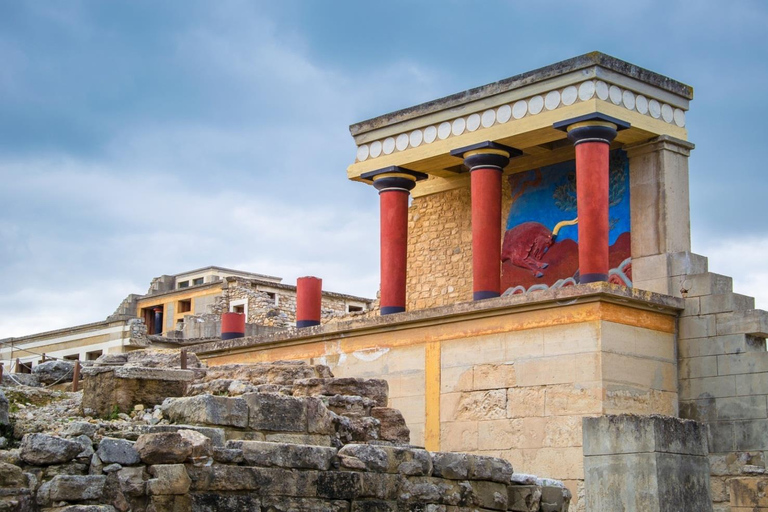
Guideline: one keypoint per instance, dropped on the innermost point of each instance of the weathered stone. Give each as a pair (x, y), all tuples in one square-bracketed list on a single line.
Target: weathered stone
[(375, 389), (423, 490), (11, 476), (208, 410), (55, 371), (319, 418), (282, 504), (392, 425), (3, 409), (351, 406), (390, 459), (170, 503), (21, 379), (104, 393), (79, 428), (216, 502), (149, 358), (276, 412), (132, 481), (313, 439), (277, 373), (163, 448), (87, 508), (86, 444), (341, 485), (72, 488), (227, 455), (359, 430), (117, 451), (216, 435), (489, 468), (201, 444), (524, 498), (453, 466), (69, 468), (43, 449), (264, 454), (374, 506), (168, 479)]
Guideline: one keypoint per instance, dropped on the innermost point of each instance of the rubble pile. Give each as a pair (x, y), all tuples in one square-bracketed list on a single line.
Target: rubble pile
[(271, 437)]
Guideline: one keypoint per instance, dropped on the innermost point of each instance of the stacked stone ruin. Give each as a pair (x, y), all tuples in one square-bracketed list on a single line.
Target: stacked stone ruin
[(272, 437)]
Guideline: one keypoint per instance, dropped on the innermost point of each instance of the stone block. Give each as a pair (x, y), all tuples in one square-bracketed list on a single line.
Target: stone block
[(311, 439), (721, 386), (44, 449), (636, 341), (707, 283), (493, 376), (625, 399), (697, 326), (699, 410), (390, 459), (726, 302), (753, 321), (163, 448), (571, 338), (561, 463), (519, 345), (685, 263), (216, 502), (733, 364), (284, 504), (72, 488), (339, 485), (132, 481), (663, 285), (525, 402), (741, 408), (207, 410), (455, 378), (751, 434), (482, 405), (216, 435), (569, 399), (749, 492), (374, 506), (375, 389), (281, 455), (392, 425), (697, 367), (507, 433), (487, 349), (722, 437), (103, 391), (117, 451), (640, 372), (608, 435), (655, 266), (692, 307), (558, 369), (459, 436), (168, 479), (752, 384)]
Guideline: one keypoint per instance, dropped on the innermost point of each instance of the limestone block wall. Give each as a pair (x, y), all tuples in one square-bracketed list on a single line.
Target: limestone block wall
[(510, 377), (440, 247)]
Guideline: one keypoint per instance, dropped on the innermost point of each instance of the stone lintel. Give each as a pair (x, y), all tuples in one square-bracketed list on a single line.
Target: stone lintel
[(592, 293), (144, 373), (662, 142)]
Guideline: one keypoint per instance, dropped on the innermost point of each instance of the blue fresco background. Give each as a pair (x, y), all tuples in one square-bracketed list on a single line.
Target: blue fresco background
[(553, 199)]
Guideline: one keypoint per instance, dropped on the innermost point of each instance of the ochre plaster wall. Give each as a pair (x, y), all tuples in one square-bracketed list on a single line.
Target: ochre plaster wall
[(514, 385), (440, 247)]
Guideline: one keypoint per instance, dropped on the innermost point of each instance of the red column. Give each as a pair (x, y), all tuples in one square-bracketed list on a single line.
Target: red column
[(592, 135), (394, 185), (232, 325), (309, 294), (592, 207), (486, 162), (486, 232)]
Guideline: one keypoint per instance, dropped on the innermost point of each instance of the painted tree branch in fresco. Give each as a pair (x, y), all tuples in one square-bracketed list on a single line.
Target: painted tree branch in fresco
[(565, 194)]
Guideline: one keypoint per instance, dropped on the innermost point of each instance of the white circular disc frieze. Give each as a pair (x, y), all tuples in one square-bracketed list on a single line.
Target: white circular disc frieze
[(401, 142), (376, 148), (601, 89), (586, 90), (430, 134), (362, 153), (628, 99), (473, 122), (488, 118), (415, 138), (552, 100), (519, 109), (679, 117), (535, 105), (458, 126), (504, 113), (654, 108), (615, 94), (641, 104), (667, 113), (444, 130), (570, 94), (389, 145)]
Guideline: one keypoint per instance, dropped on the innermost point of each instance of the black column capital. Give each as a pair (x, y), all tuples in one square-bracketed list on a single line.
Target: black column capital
[(486, 155), (594, 127), (394, 178)]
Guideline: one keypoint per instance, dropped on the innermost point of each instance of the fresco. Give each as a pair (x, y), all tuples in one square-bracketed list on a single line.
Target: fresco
[(541, 242)]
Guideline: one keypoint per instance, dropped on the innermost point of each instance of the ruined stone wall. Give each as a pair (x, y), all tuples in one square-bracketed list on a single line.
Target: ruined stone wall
[(440, 247)]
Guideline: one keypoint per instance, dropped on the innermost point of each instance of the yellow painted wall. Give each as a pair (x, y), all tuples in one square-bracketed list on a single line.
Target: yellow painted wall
[(170, 301)]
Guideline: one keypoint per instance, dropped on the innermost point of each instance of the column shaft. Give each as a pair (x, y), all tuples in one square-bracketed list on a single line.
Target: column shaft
[(592, 163), (394, 240), (486, 232), (309, 295)]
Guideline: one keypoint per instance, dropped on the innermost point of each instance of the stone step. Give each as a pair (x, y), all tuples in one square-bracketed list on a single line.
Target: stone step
[(725, 303), (751, 321), (708, 283)]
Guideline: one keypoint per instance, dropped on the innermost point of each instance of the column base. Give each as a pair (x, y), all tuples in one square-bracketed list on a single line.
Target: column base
[(388, 310), (485, 295), (307, 323), (232, 335), (592, 278)]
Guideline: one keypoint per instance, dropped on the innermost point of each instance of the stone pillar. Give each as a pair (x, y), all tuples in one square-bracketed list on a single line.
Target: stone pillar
[(658, 181), (394, 185), (309, 294), (646, 464), (592, 135), (486, 162), (158, 320)]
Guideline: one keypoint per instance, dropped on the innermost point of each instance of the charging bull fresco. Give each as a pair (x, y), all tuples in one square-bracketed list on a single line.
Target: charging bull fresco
[(541, 242)]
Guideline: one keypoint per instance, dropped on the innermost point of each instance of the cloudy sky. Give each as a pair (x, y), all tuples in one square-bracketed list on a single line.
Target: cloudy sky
[(140, 138)]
